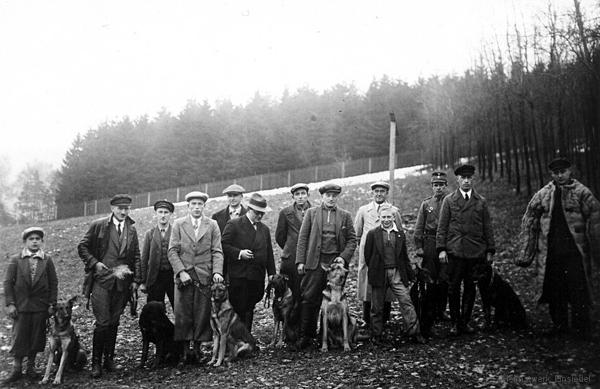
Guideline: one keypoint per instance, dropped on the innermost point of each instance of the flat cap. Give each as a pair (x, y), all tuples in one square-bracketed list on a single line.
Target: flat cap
[(380, 184), (234, 188), (164, 204), (32, 230), (465, 170), (297, 186), (439, 177), (330, 187), (196, 195), (121, 199), (258, 203), (559, 163)]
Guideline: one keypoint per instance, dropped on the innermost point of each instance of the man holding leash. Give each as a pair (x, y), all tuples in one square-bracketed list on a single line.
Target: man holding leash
[(111, 254), (326, 233), (560, 232), (464, 238)]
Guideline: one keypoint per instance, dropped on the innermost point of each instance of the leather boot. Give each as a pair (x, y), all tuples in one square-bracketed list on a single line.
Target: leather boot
[(109, 349), (387, 311), (97, 348), (304, 338), (366, 314), (248, 318)]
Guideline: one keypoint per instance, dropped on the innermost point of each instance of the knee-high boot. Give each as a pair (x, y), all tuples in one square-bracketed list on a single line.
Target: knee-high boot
[(97, 349), (306, 331), (387, 311), (367, 313), (109, 348), (248, 318)]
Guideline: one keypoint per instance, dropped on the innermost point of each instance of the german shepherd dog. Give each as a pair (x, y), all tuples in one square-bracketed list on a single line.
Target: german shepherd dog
[(231, 338), (338, 327), (285, 311), (158, 329), (422, 297), (64, 344), (497, 293)]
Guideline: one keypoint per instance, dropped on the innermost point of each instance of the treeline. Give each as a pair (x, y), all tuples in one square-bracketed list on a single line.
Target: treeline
[(533, 95)]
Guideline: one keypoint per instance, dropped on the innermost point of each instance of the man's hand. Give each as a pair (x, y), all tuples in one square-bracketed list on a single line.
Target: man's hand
[(420, 252), (217, 278), (11, 310), (300, 269), (185, 278), (246, 254), (143, 288), (134, 286), (489, 258), (270, 277), (99, 266), (443, 257)]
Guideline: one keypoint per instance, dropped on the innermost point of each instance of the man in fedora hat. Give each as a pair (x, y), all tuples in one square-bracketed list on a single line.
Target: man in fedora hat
[(367, 218), (425, 231), (196, 256), (157, 272), (249, 255), (326, 234), (286, 234), (110, 251), (464, 238), (560, 232), (234, 208)]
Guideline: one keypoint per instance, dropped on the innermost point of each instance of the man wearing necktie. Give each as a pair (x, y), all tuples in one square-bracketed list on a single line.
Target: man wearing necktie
[(157, 272), (464, 238), (105, 253), (196, 256), (234, 208), (249, 255)]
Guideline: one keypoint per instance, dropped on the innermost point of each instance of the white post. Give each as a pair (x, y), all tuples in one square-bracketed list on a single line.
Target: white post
[(392, 162)]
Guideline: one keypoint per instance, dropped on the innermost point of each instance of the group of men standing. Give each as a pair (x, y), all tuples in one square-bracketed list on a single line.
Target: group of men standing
[(453, 233)]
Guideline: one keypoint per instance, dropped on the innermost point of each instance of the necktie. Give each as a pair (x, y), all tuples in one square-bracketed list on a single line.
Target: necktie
[(254, 225), (162, 232), (196, 227), (119, 229), (466, 197)]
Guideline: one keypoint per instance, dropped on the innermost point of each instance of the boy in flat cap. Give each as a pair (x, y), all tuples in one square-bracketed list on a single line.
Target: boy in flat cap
[(464, 238), (249, 255), (111, 254), (30, 289), (425, 231), (560, 232), (367, 218), (157, 272), (196, 256), (326, 234), (286, 234), (234, 209)]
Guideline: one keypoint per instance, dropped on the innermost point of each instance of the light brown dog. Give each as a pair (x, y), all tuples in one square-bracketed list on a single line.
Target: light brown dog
[(231, 338), (337, 325)]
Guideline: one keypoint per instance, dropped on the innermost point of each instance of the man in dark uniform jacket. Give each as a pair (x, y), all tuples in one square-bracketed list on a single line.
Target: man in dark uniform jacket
[(111, 254), (464, 238), (249, 254), (286, 234), (157, 272), (235, 208), (425, 230)]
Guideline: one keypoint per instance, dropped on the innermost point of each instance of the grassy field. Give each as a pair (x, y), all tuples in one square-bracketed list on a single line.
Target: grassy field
[(500, 359)]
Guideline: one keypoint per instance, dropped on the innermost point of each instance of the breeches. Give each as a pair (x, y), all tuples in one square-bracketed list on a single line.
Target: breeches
[(108, 305)]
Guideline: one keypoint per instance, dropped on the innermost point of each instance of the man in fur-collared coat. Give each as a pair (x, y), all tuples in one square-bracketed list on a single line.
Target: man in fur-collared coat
[(561, 237)]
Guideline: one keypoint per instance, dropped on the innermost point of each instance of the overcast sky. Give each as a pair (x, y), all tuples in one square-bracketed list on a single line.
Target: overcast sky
[(67, 66)]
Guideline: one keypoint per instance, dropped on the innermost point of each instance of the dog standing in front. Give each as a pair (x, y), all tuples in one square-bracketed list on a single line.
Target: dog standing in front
[(335, 317), (422, 297), (64, 343), (285, 311), (158, 329), (231, 338)]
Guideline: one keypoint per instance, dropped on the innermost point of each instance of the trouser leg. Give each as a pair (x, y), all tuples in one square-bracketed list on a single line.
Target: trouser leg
[(376, 312), (455, 274), (468, 299), (313, 283), (407, 309)]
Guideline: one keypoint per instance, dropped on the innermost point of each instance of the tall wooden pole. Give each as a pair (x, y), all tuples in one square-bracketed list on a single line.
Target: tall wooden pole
[(392, 155)]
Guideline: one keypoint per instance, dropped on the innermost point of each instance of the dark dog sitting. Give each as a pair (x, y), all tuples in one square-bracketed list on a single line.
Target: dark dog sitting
[(285, 311), (158, 329), (422, 297), (497, 293)]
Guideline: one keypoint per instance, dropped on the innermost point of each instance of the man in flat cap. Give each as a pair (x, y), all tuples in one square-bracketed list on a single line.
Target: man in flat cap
[(111, 254), (326, 234), (249, 255), (234, 209), (425, 231), (157, 272), (196, 256), (367, 218), (464, 238), (286, 234), (560, 233)]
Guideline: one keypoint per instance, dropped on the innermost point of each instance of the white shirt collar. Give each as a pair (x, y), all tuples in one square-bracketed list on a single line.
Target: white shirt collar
[(27, 253), (466, 193), (116, 222), (394, 228), (192, 219)]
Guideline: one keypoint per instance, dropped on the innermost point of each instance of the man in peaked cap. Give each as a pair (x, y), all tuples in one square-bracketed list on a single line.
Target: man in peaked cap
[(326, 233), (464, 238), (249, 255), (560, 233), (196, 255), (425, 231), (109, 246), (234, 209), (286, 234), (157, 272), (367, 218)]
